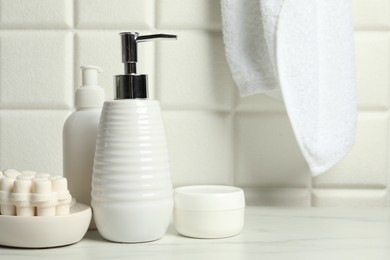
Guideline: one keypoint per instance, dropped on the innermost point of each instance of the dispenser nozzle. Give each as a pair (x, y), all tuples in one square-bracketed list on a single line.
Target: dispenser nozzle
[(89, 94), (129, 47), (132, 85)]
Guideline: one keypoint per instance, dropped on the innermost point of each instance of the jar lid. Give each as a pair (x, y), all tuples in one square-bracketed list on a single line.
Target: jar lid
[(209, 198)]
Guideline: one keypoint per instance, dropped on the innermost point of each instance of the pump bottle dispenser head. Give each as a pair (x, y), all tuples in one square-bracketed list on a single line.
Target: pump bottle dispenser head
[(89, 75), (132, 85), (90, 94)]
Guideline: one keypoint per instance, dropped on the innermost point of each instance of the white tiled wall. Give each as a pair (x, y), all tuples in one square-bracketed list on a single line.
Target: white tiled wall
[(214, 135)]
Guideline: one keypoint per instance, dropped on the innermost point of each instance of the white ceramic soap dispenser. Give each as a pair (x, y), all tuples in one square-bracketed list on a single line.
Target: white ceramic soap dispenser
[(132, 197), (79, 135)]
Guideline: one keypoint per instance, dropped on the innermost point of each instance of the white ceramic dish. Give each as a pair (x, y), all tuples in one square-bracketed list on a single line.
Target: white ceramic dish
[(41, 232)]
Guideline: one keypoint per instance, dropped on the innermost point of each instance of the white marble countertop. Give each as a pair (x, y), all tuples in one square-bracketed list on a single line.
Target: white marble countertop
[(269, 233)]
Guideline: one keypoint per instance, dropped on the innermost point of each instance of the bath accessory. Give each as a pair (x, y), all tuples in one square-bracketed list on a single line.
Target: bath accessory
[(131, 188), (79, 136), (33, 194), (209, 211), (305, 50), (45, 231)]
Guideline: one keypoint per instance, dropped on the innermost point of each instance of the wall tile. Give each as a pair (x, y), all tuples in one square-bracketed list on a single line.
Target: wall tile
[(366, 166), (277, 197), (192, 72), (36, 14), (36, 69), (372, 69), (124, 14), (259, 102), (349, 198), (32, 140), (267, 153), (104, 49), (200, 147), (372, 14), (188, 14), (214, 135)]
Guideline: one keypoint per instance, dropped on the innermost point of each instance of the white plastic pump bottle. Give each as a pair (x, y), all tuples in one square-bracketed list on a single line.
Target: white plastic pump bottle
[(79, 136)]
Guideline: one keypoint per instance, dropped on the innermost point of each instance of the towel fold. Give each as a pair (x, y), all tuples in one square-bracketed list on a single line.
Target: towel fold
[(304, 50)]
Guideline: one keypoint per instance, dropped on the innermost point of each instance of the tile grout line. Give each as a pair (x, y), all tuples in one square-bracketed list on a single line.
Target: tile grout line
[(234, 146), (73, 14), (388, 164), (74, 69)]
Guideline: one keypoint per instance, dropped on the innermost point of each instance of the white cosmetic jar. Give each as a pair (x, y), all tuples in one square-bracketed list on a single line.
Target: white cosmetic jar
[(209, 211)]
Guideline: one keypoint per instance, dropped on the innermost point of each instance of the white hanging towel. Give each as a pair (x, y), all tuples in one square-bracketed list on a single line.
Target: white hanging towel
[(304, 50)]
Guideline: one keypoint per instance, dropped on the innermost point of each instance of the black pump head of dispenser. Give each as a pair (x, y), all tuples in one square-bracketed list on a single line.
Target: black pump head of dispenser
[(132, 85)]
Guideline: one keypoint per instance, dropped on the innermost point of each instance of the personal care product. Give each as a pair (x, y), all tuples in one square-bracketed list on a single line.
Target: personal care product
[(37, 211), (132, 196), (30, 194), (209, 211), (79, 135)]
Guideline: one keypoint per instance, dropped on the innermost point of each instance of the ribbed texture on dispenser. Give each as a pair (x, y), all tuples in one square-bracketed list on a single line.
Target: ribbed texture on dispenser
[(131, 162), (131, 177)]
